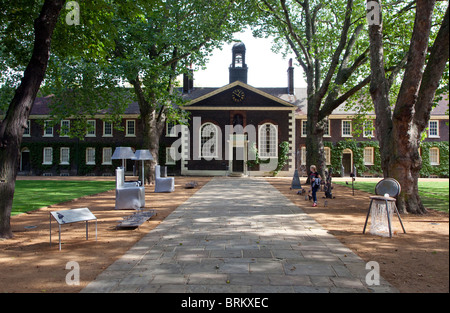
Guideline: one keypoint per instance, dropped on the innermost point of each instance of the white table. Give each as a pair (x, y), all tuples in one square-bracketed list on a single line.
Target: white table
[(72, 216)]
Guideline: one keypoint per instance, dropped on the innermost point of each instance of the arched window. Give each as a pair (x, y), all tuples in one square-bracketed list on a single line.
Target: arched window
[(208, 141), (268, 141)]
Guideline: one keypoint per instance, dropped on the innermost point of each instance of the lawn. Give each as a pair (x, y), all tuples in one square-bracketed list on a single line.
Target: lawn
[(31, 195), (434, 194)]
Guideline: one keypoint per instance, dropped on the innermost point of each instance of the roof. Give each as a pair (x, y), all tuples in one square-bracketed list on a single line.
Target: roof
[(298, 99)]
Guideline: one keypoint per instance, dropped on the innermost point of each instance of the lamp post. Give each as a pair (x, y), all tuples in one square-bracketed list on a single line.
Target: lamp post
[(143, 155), (123, 153)]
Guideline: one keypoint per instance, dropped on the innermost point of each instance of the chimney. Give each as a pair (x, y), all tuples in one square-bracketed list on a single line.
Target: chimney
[(188, 81), (290, 78)]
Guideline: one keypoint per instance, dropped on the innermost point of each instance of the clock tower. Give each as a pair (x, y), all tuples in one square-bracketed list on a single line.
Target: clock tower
[(238, 67)]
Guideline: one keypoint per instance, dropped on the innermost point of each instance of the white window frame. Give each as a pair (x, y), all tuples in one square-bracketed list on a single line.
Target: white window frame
[(49, 128), (208, 139), (368, 133), (170, 126), (88, 161), (304, 124), (369, 156), (342, 128), (128, 133), (106, 156), (327, 153), (170, 156), (27, 131), (94, 122), (104, 129), (303, 155), (327, 128), (434, 154), (62, 160), (262, 141), (437, 129), (62, 132), (47, 157)]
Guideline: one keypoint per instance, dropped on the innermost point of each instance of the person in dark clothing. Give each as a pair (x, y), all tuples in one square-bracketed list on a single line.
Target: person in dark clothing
[(315, 183)]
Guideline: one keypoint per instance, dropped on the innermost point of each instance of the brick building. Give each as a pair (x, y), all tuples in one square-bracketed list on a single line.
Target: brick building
[(227, 126)]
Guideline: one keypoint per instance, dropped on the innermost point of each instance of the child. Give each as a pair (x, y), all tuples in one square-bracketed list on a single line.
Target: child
[(315, 183)]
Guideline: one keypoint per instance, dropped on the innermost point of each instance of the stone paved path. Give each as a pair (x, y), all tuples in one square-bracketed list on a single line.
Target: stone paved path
[(238, 235)]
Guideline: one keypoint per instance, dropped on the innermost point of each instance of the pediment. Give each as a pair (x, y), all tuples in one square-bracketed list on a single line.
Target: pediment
[(240, 96)]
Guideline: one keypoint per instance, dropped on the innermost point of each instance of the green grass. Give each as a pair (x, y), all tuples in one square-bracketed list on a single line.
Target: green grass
[(31, 195), (434, 194)]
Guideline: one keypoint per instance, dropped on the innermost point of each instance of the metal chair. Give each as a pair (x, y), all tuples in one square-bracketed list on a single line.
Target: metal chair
[(386, 191)]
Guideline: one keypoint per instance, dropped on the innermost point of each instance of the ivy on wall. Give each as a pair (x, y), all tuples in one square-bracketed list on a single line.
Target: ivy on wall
[(283, 156), (357, 147), (77, 155), (440, 170)]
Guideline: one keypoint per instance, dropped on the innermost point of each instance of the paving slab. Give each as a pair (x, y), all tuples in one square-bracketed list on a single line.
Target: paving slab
[(238, 235)]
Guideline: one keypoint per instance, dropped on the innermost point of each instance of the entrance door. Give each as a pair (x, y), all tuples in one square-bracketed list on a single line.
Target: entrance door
[(347, 163), (238, 160), (25, 164)]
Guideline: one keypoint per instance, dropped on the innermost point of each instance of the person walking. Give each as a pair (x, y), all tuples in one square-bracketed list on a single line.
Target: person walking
[(314, 178)]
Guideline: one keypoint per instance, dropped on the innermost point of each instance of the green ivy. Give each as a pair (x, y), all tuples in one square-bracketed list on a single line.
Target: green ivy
[(77, 155), (283, 156), (440, 170), (357, 147)]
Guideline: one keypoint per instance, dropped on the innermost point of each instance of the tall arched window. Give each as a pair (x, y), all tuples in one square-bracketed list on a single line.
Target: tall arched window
[(208, 141), (268, 141)]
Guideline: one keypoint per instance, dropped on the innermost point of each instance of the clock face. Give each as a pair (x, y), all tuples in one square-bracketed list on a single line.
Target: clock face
[(238, 95)]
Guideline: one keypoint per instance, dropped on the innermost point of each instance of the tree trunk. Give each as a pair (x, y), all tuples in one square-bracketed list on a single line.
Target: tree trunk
[(314, 140), (399, 133), (12, 127), (152, 133)]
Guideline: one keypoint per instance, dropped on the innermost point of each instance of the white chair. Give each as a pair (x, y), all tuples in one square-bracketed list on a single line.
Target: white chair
[(128, 194), (163, 184)]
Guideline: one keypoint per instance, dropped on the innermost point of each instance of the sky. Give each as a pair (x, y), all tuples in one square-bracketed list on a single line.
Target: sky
[(265, 68)]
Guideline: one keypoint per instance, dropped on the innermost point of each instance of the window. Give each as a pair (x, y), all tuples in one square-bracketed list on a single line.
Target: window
[(90, 156), (326, 128), (208, 141), (48, 129), (48, 156), (107, 129), (64, 156), (433, 129), (170, 130), (106, 158), (26, 132), (131, 128), (346, 128), (90, 128), (434, 156), (170, 155), (368, 129), (368, 156), (268, 141), (303, 156), (65, 127), (304, 125), (327, 152), (238, 60)]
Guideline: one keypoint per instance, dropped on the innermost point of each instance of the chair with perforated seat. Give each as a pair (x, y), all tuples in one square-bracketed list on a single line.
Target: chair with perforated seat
[(386, 192)]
